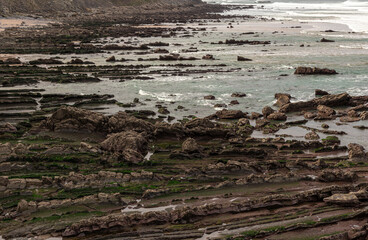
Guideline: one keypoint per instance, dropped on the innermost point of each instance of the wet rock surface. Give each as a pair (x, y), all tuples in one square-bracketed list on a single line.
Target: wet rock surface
[(78, 166)]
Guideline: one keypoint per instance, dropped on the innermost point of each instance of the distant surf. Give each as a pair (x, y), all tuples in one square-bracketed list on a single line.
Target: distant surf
[(352, 13)]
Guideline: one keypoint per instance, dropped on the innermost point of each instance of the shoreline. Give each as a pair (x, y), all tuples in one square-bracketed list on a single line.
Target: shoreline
[(200, 127)]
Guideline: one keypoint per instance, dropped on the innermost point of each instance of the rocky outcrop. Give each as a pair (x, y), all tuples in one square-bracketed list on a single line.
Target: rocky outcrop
[(130, 146), (184, 214), (71, 119), (314, 71), (337, 100), (229, 114), (337, 175)]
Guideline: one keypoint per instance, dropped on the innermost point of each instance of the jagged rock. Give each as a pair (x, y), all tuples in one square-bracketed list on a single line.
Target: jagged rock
[(312, 71), (261, 123), (337, 175), (190, 146), (328, 100), (229, 114), (310, 115), (282, 99), (24, 206), (312, 136), (71, 119), (124, 122), (277, 116), (130, 145), (364, 115), (357, 152), (255, 115), (199, 122), (267, 111), (342, 199), (324, 110)]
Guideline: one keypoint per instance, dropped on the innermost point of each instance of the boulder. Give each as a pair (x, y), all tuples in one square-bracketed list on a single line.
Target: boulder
[(342, 199), (319, 92), (314, 71), (130, 145), (230, 114), (71, 119), (325, 111), (190, 146), (312, 136), (267, 111), (234, 102), (277, 116), (357, 152), (282, 99)]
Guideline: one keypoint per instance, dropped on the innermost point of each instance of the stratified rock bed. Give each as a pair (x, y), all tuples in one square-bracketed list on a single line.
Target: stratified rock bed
[(68, 170), (81, 174)]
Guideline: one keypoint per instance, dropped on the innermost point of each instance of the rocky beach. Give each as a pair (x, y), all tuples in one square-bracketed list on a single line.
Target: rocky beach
[(158, 119)]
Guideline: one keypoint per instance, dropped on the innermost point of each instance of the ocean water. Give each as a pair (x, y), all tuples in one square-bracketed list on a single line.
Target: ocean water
[(353, 13), (260, 79)]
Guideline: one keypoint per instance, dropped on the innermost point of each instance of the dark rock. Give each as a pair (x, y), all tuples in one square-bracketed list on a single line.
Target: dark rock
[(314, 71)]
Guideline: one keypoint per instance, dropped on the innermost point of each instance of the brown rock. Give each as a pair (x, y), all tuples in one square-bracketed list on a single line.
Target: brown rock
[(267, 111), (132, 146), (190, 146), (282, 99), (314, 71), (277, 116), (319, 92), (210, 97), (357, 152), (312, 136), (230, 114)]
